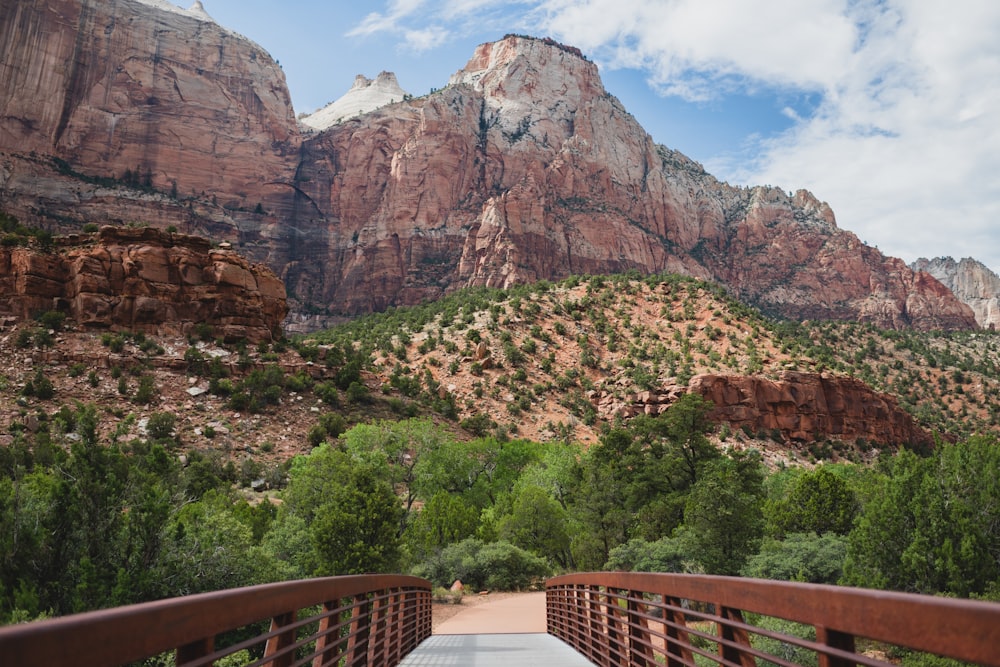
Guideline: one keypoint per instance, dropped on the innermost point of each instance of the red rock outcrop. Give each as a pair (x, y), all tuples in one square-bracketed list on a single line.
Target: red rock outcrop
[(522, 168), (806, 407), (144, 280)]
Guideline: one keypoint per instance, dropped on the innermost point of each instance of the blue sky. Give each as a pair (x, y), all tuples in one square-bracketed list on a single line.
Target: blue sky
[(887, 109)]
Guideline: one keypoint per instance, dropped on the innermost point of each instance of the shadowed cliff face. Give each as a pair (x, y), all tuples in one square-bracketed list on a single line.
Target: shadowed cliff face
[(145, 280), (522, 168)]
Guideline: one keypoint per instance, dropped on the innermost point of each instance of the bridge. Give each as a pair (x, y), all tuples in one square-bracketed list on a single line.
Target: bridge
[(609, 618)]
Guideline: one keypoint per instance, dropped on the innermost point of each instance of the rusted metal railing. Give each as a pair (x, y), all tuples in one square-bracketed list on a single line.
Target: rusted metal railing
[(352, 620), (644, 619)]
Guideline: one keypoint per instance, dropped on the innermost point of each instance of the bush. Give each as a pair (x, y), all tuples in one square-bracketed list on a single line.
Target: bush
[(52, 319), (161, 425), (147, 392), (493, 566)]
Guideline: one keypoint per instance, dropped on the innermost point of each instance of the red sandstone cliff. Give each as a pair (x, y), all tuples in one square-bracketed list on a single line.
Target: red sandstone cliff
[(522, 168), (144, 280), (807, 406), (803, 407)]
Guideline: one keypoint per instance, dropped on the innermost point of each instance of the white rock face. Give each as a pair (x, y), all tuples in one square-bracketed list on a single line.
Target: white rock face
[(364, 96), (972, 282)]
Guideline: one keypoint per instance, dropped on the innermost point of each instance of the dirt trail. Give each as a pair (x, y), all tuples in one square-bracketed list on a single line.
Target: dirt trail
[(503, 614)]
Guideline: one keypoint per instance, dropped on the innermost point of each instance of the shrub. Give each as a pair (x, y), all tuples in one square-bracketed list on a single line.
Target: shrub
[(161, 425), (147, 391), (52, 319), (493, 566)]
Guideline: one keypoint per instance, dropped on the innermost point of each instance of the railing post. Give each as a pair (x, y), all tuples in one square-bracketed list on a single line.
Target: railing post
[(394, 631), (376, 636), (194, 650), (678, 644), (281, 641), (596, 627), (639, 646), (360, 632), (735, 636), (837, 640), (326, 646), (617, 627)]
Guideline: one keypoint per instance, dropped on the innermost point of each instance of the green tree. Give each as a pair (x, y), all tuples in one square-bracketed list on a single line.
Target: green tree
[(809, 557), (931, 525), (819, 502), (349, 508), (443, 520), (722, 517), (538, 523)]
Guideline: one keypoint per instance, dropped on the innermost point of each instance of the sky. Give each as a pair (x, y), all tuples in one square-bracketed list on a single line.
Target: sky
[(889, 110)]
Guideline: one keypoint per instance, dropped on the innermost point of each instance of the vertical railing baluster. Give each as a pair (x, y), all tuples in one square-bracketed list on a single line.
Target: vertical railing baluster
[(678, 643), (280, 641), (837, 640), (194, 650), (327, 645), (360, 632), (734, 635), (639, 646)]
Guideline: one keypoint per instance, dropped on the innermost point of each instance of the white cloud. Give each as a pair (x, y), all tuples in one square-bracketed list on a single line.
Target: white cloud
[(425, 39), (905, 142), (376, 22)]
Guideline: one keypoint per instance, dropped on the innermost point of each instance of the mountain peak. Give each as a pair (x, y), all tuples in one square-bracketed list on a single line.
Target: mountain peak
[(365, 95), (528, 70)]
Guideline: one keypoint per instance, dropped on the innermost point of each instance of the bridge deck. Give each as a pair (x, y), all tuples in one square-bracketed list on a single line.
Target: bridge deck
[(496, 649)]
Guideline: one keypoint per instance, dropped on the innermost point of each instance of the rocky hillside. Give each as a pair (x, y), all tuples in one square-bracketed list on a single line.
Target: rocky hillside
[(561, 361), (972, 282), (523, 168), (143, 280), (546, 362)]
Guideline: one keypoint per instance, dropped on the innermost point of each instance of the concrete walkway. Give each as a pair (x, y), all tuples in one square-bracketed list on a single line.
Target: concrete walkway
[(518, 614), (510, 631), (494, 650)]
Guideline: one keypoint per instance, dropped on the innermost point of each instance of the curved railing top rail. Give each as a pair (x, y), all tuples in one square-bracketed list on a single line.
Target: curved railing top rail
[(127, 634), (962, 629)]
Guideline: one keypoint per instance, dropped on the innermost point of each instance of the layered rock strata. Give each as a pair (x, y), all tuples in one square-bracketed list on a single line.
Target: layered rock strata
[(523, 168), (144, 280), (802, 407), (806, 407)]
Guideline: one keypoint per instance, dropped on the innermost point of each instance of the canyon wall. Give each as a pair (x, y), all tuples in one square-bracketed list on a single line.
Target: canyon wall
[(522, 168)]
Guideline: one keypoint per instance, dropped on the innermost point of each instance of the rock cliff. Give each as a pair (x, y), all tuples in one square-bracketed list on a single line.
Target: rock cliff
[(806, 407), (803, 407), (972, 282), (144, 280), (145, 92), (522, 168)]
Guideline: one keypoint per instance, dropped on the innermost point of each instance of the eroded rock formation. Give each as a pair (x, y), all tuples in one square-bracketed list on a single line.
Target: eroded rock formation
[(972, 282), (806, 407), (144, 280), (803, 407), (522, 168)]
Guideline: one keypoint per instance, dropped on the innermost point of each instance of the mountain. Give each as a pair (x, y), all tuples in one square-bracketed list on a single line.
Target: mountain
[(523, 168), (971, 281), (364, 96)]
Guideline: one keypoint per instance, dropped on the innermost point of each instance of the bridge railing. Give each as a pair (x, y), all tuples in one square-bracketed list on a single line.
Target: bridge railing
[(350, 620), (646, 620)]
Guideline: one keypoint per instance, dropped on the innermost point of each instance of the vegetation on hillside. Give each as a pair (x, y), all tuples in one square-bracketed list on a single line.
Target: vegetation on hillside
[(445, 440)]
